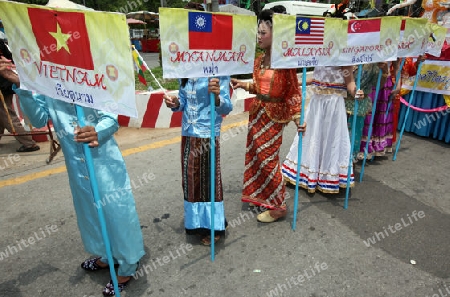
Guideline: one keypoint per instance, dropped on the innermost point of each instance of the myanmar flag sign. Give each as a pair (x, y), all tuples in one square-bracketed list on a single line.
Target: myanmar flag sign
[(300, 41), (203, 44), (81, 57), (369, 40)]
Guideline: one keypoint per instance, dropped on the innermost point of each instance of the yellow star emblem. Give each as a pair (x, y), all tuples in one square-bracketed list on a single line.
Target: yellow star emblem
[(305, 26), (61, 38)]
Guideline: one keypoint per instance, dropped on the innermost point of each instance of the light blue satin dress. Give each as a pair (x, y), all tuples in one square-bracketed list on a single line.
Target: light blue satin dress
[(116, 195)]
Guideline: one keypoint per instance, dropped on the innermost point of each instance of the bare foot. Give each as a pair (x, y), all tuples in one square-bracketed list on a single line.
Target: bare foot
[(123, 279), (101, 264)]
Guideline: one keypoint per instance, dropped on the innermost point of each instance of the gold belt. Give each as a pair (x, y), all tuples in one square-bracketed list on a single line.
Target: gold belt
[(267, 98)]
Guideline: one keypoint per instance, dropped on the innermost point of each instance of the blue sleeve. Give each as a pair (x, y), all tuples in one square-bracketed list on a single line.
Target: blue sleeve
[(225, 99), (181, 97), (34, 107), (106, 126)]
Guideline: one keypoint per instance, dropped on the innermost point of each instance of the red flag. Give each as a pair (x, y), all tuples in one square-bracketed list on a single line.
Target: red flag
[(364, 26), (210, 31), (62, 37), (402, 27), (363, 32)]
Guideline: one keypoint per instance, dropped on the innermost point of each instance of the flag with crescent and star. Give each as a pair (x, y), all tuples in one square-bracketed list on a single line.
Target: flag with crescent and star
[(78, 56), (363, 32), (369, 40), (301, 41), (309, 31)]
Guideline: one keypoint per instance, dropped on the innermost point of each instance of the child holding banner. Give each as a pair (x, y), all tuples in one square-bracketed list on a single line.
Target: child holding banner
[(326, 147), (194, 101), (277, 102), (112, 178), (368, 81), (382, 128)]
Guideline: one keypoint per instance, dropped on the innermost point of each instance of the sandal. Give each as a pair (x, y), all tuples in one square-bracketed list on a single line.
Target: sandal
[(207, 240), (108, 290), (24, 149), (91, 265)]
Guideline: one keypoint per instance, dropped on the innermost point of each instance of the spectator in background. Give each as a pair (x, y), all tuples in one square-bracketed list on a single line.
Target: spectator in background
[(194, 6), (28, 144), (279, 9)]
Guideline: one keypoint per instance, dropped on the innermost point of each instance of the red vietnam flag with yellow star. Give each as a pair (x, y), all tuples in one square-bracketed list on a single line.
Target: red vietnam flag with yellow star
[(78, 56), (60, 29)]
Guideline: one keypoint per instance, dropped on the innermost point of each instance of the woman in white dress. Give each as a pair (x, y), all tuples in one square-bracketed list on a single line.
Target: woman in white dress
[(326, 146)]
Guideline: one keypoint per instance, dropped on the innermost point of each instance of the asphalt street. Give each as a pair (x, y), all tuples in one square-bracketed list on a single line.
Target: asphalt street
[(393, 240)]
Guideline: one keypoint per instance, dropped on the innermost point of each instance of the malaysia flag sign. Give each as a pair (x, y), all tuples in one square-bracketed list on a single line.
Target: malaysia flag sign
[(210, 31), (363, 32), (309, 31)]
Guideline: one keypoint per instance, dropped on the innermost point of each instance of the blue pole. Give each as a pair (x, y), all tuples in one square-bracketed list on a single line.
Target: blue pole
[(407, 111), (95, 191), (397, 79), (352, 142), (299, 151), (369, 134), (213, 168)]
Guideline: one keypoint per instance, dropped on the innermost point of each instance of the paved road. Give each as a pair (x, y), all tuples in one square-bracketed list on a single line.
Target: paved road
[(399, 213), (152, 59)]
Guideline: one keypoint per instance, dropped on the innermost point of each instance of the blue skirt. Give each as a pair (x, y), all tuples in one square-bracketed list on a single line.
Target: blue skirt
[(430, 124)]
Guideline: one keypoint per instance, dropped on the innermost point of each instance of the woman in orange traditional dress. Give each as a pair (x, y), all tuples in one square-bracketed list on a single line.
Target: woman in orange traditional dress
[(277, 102)]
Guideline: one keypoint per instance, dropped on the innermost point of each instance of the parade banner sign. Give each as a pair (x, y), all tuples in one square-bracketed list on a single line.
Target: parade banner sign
[(369, 40), (434, 77), (304, 41), (414, 34), (81, 57), (199, 44), (436, 40)]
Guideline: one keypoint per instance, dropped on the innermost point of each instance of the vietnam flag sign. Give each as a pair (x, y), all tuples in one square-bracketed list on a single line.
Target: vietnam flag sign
[(304, 41), (78, 56), (369, 40), (414, 35), (202, 44)]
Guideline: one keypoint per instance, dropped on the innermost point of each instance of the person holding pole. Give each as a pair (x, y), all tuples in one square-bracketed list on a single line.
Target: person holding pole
[(409, 69), (117, 200), (368, 81), (277, 102), (194, 101), (326, 147)]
